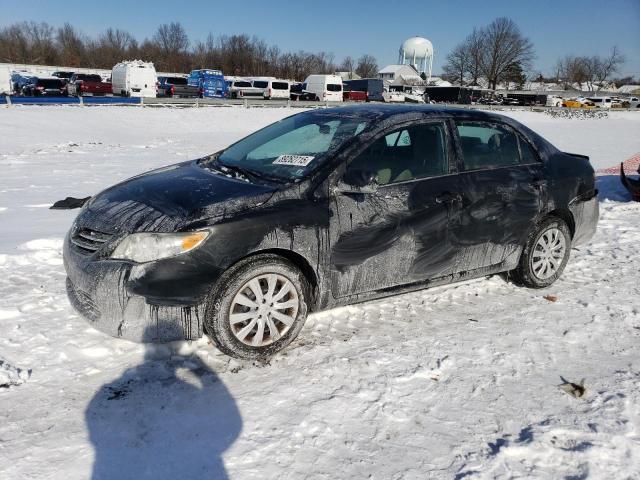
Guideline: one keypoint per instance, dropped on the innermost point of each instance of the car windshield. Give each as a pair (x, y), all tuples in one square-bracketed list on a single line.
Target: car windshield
[(243, 84), (176, 80), (291, 148)]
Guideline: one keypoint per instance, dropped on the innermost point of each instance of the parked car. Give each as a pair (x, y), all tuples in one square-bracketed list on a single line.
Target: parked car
[(325, 88), (242, 88), (62, 75), (6, 87), (134, 79), (325, 208), (508, 101), (84, 84), (601, 102), (579, 102), (19, 81), (297, 91), (177, 87), (634, 102), (211, 83), (273, 88), (349, 95), (45, 87), (373, 86)]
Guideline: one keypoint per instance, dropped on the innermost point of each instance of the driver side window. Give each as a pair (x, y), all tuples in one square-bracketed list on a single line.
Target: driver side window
[(408, 153)]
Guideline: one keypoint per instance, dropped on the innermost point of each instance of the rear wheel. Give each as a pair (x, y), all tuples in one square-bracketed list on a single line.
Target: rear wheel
[(545, 254), (257, 308)]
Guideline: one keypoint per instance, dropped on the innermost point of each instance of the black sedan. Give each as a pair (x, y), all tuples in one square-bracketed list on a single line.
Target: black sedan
[(325, 208)]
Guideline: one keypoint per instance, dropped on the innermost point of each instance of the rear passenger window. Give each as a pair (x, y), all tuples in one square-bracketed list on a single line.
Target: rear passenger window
[(487, 145), (527, 153), (406, 154)]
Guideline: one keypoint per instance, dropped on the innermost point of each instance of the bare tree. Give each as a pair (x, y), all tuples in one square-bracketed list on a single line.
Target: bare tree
[(347, 65), (71, 46), (168, 48), (590, 71), (367, 66), (609, 65), (113, 46), (457, 64), (504, 45), (474, 44)]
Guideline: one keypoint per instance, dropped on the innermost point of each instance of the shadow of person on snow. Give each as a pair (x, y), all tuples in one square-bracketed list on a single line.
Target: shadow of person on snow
[(163, 419)]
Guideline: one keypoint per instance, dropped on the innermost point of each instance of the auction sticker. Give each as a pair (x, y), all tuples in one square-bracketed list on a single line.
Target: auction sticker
[(293, 160)]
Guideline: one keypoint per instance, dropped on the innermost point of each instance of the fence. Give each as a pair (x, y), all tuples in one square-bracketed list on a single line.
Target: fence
[(248, 103)]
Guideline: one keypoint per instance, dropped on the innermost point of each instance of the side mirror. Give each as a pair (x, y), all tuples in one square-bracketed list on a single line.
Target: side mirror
[(358, 181)]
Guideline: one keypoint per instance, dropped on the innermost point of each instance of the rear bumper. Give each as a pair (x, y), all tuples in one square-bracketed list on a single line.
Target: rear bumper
[(98, 290), (585, 214)]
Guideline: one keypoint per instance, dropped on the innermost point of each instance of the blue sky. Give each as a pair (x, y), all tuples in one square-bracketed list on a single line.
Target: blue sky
[(556, 28)]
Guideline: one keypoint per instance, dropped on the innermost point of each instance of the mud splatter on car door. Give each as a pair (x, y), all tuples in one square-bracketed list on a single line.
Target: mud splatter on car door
[(398, 233)]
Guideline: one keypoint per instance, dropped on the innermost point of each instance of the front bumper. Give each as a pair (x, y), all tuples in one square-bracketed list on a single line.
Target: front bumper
[(98, 290)]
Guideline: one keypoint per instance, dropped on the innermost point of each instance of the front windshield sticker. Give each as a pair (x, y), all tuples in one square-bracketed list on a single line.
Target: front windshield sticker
[(293, 160)]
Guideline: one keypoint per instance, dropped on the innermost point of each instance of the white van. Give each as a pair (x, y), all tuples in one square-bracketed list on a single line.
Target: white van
[(273, 88), (326, 88), (5, 81), (134, 79), (601, 102)]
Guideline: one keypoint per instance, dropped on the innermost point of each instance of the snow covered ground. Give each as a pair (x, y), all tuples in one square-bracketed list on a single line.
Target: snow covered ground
[(455, 382)]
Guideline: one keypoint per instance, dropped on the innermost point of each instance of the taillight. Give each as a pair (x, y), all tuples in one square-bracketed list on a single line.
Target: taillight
[(39, 88), (240, 93), (201, 91), (173, 89), (269, 92)]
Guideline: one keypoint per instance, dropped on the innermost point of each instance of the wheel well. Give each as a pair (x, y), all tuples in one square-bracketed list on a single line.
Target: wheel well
[(304, 266), (565, 215)]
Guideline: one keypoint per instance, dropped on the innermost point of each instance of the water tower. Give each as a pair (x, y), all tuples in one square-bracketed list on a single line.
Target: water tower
[(417, 51)]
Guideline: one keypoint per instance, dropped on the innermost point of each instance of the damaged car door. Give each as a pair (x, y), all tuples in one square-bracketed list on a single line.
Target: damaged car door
[(503, 187), (391, 210)]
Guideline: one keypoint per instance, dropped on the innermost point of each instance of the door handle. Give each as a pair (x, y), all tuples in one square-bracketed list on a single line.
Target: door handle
[(448, 197)]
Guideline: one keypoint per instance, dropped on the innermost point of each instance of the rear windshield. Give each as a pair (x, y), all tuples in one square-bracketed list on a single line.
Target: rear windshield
[(176, 80), (260, 84), (334, 87), (242, 84), (280, 85), (89, 78), (50, 83)]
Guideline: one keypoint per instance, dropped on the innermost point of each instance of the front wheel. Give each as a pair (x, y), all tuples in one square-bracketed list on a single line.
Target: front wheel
[(257, 308), (545, 254)]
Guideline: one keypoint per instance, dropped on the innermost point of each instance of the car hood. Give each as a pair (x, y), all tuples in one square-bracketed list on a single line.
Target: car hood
[(170, 199)]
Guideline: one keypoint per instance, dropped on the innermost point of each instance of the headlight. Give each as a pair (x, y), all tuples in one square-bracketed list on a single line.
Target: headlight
[(146, 247)]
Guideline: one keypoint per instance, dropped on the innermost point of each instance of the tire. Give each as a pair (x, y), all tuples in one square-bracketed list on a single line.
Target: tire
[(531, 271), (221, 305)]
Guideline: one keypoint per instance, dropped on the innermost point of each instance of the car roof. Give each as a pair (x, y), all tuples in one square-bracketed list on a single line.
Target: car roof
[(384, 111)]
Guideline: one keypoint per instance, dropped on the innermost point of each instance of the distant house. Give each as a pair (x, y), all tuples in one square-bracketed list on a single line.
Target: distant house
[(630, 89), (400, 75)]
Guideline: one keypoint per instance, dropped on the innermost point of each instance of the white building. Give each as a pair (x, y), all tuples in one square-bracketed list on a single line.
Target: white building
[(401, 75)]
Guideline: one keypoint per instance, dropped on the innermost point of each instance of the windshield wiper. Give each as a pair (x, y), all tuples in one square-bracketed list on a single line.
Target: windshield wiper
[(247, 172)]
